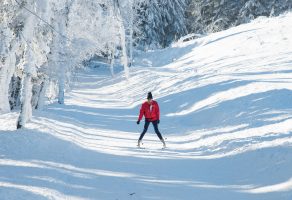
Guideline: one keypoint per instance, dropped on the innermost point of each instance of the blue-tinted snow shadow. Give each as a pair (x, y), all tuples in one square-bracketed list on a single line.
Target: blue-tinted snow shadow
[(248, 112), (73, 171), (124, 119), (251, 112), (88, 117), (43, 161), (254, 109)]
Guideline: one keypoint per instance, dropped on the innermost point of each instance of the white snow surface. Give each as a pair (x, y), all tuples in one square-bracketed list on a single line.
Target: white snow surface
[(226, 114)]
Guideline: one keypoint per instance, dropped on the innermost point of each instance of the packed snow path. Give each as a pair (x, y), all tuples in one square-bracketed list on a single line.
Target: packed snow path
[(226, 113)]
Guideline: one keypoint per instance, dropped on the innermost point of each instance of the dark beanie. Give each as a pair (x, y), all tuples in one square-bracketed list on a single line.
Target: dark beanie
[(149, 95)]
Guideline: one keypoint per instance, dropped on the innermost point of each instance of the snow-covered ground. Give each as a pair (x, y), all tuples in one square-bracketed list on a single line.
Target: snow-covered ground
[(226, 104)]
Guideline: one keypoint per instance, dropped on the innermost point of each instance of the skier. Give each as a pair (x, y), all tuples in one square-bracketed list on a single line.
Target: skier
[(150, 110)]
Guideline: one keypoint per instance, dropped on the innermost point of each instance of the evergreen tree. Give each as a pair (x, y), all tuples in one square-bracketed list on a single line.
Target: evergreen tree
[(204, 16), (163, 21)]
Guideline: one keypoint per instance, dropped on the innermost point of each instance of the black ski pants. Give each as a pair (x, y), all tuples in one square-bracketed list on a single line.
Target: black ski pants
[(155, 125)]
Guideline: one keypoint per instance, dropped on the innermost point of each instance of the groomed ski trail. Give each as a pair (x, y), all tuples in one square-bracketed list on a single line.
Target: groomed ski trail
[(226, 114)]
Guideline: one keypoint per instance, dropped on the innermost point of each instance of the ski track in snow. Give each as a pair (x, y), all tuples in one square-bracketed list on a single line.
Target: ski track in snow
[(226, 111)]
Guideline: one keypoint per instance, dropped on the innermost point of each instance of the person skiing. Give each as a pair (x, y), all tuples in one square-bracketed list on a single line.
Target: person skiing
[(150, 110)]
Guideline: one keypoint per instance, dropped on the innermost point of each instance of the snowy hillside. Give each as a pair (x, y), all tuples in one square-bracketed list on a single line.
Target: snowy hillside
[(226, 112), (210, 15)]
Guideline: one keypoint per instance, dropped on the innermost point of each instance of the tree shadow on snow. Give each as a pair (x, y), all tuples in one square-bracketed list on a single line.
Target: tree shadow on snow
[(45, 167)]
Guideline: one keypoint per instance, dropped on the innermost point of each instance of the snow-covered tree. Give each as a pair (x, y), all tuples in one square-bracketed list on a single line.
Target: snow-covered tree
[(163, 21), (7, 57), (131, 16), (113, 24), (28, 64), (205, 16), (48, 42), (26, 90), (59, 48)]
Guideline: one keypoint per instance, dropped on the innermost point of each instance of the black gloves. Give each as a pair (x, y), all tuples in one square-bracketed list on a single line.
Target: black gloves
[(158, 121), (138, 122)]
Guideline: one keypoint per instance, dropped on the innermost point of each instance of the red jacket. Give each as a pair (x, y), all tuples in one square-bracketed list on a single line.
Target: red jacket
[(150, 111)]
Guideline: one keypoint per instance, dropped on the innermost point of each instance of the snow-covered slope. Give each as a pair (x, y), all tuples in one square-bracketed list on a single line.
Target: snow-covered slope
[(226, 113)]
